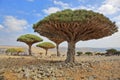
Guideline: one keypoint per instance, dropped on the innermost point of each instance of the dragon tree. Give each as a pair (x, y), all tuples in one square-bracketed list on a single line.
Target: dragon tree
[(29, 39), (75, 25), (57, 41), (46, 46)]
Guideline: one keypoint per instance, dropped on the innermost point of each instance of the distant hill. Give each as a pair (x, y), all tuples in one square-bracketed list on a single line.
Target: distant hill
[(64, 49), (87, 49)]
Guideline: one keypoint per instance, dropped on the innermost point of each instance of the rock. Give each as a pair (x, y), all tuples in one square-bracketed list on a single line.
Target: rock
[(1, 71), (91, 77), (69, 78), (2, 77)]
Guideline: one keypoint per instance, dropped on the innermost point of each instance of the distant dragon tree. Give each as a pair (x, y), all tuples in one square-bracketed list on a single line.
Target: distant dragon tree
[(29, 39)]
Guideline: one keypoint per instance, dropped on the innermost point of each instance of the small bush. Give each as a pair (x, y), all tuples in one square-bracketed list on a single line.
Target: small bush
[(110, 52), (88, 53), (79, 53), (14, 51), (117, 53), (101, 54)]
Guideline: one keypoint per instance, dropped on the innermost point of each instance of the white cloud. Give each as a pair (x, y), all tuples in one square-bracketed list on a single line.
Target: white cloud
[(115, 3), (117, 18), (1, 26), (118, 24), (84, 7), (110, 7), (51, 10), (62, 4), (14, 24)]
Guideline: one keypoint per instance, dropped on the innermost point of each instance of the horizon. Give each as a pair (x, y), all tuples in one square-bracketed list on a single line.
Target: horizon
[(17, 18), (59, 46)]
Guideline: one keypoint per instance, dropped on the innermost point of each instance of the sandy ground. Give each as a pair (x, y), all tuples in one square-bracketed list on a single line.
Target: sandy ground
[(104, 68)]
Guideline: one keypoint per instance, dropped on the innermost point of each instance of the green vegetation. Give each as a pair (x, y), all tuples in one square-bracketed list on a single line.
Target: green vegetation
[(112, 52), (88, 53), (46, 46), (79, 53), (75, 25), (117, 53), (29, 39), (14, 51)]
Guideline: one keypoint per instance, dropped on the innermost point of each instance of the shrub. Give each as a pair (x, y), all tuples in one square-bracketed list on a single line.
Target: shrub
[(117, 53), (111, 52), (14, 51), (79, 53), (88, 53)]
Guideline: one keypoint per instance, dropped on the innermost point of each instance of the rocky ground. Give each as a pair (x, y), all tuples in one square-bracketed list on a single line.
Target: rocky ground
[(35, 68)]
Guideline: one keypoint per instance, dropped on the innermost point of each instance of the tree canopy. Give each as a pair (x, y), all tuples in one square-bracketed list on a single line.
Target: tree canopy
[(75, 25), (46, 45), (29, 39)]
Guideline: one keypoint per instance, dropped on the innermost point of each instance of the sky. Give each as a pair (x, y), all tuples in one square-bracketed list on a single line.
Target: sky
[(18, 16)]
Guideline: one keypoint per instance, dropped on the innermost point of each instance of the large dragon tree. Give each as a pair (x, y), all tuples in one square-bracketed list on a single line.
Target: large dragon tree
[(29, 39), (74, 26)]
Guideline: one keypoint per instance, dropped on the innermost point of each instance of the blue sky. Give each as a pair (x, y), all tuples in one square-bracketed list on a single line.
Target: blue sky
[(17, 17)]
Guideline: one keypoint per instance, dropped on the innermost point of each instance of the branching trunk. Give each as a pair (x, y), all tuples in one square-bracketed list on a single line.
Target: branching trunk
[(70, 53), (29, 50), (46, 51), (57, 48)]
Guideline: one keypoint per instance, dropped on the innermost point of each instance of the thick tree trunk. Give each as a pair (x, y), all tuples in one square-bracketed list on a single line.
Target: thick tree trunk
[(29, 50), (46, 50), (70, 53), (57, 48)]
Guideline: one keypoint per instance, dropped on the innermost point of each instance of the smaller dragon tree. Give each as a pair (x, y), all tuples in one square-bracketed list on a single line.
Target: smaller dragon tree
[(29, 39), (46, 46), (57, 41)]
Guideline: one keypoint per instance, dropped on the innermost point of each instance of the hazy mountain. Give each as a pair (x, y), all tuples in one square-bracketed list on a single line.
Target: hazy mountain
[(87, 49), (64, 49)]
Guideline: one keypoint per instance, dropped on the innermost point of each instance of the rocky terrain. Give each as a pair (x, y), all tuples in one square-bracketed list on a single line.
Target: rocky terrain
[(46, 68)]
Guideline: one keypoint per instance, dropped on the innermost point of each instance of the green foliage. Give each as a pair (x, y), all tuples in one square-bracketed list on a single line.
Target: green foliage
[(29, 39), (15, 50), (88, 53), (79, 53), (11, 50), (73, 16), (117, 53), (111, 50), (46, 45)]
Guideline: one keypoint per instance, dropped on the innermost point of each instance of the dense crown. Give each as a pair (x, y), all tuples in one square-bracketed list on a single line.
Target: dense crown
[(46, 45), (76, 25), (29, 38)]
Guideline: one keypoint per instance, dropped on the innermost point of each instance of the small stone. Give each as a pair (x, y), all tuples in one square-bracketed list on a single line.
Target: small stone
[(91, 78)]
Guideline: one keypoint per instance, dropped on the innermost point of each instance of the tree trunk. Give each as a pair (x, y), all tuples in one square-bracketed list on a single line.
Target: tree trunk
[(57, 48), (70, 53), (29, 50), (46, 51)]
